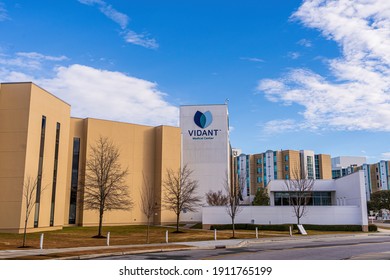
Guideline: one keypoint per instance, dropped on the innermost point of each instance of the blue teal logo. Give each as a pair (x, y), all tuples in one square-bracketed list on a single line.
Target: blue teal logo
[(203, 120)]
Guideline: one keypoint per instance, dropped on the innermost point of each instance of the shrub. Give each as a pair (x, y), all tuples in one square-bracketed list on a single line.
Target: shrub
[(333, 227), (251, 227), (286, 227), (372, 227)]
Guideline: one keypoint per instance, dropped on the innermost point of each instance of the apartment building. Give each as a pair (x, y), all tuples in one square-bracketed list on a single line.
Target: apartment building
[(345, 165), (376, 175), (257, 170)]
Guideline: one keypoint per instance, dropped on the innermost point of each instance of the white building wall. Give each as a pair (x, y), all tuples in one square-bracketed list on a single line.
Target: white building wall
[(305, 165), (244, 177), (353, 191), (264, 215), (351, 208), (367, 180), (205, 150), (383, 175), (346, 161), (270, 166)]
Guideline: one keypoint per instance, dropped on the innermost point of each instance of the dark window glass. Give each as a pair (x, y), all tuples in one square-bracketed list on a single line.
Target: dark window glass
[(53, 193), (74, 180), (40, 167)]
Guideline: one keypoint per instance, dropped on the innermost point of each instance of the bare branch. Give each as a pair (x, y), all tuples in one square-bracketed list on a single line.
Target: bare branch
[(234, 195), (30, 188), (216, 198), (180, 192), (149, 205), (300, 189), (105, 187)]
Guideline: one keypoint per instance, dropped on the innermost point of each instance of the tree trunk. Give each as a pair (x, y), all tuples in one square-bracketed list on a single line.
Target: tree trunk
[(177, 222), (299, 216), (233, 226), (25, 232), (100, 223), (147, 231)]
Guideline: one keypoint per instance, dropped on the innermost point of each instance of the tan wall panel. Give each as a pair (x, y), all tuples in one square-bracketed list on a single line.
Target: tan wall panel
[(43, 103), (137, 153), (325, 166), (77, 130), (10, 203), (170, 159), (14, 111), (12, 121)]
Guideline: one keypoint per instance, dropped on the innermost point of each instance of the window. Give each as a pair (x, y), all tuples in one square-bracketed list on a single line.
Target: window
[(259, 180), (286, 158), (286, 168), (313, 198), (74, 180), (259, 170), (40, 167), (310, 171), (53, 193)]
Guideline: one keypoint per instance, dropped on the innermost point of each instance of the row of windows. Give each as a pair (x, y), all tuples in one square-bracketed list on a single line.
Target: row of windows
[(310, 198)]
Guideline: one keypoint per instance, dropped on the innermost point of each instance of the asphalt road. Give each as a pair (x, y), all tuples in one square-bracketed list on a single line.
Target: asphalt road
[(353, 247)]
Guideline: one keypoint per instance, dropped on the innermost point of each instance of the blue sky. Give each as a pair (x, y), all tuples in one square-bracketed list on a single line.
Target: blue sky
[(311, 74)]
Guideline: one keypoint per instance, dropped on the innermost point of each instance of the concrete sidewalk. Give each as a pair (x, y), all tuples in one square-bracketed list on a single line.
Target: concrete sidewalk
[(100, 251)]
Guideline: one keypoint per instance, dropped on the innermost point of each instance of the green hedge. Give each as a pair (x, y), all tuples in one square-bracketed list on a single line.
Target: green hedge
[(332, 227), (372, 227), (251, 227), (286, 227)]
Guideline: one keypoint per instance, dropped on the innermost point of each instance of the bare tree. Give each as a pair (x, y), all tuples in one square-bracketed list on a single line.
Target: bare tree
[(180, 192), (234, 191), (104, 186), (30, 187), (216, 198), (300, 189), (149, 205)]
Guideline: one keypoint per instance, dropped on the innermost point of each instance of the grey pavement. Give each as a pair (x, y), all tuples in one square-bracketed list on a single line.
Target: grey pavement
[(211, 244)]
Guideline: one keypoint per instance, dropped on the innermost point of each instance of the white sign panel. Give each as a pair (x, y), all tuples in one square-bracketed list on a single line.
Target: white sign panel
[(205, 148)]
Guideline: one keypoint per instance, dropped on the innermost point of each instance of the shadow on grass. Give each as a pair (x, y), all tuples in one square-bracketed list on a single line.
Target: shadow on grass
[(99, 237), (177, 232)]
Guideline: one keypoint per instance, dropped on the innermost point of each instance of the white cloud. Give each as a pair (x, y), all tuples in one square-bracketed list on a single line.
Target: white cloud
[(386, 156), (39, 56), (357, 95), (92, 92), (122, 20), (91, 2), (141, 40), (305, 42), (253, 59), (3, 12), (114, 15), (282, 126), (111, 95), (294, 55), (27, 60)]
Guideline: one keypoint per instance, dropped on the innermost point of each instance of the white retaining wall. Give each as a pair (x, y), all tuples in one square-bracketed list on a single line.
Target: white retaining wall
[(264, 215)]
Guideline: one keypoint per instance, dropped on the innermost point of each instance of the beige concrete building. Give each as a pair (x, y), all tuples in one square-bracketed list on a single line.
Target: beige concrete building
[(39, 139), (34, 133)]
